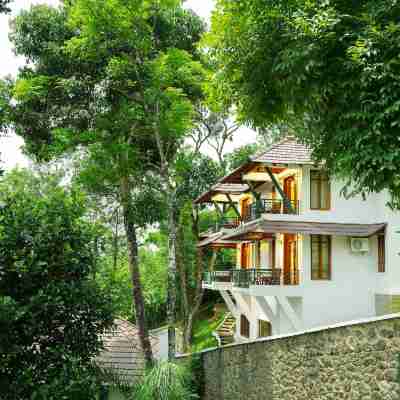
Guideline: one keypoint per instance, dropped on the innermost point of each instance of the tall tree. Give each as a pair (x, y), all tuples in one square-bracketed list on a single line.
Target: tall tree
[(51, 311), (115, 79), (196, 173), (328, 69)]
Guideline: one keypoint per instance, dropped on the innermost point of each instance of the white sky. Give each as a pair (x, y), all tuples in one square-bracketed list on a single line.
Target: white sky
[(10, 147)]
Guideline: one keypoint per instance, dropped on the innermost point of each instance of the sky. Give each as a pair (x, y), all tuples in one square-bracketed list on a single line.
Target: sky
[(10, 147)]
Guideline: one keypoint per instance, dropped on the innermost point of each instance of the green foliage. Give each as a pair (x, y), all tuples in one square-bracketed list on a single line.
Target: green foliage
[(241, 155), (51, 310), (328, 69), (166, 381), (4, 6), (203, 329), (195, 173), (116, 281)]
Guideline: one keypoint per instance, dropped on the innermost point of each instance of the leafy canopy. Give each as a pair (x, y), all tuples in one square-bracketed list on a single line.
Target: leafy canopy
[(51, 310), (329, 69)]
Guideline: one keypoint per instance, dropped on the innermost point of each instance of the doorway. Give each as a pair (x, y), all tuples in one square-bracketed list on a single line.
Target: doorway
[(290, 271), (245, 256), (290, 189)]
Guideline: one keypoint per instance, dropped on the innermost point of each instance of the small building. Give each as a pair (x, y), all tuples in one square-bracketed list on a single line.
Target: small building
[(306, 255), (123, 354)]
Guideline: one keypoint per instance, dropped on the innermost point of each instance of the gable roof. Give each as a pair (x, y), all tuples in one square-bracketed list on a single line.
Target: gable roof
[(122, 352), (287, 151)]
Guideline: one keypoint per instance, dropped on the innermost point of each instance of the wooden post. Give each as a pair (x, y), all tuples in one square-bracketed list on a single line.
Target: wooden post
[(232, 204), (257, 196), (286, 201)]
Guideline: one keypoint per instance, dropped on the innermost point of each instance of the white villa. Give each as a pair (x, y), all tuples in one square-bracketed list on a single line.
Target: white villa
[(306, 256)]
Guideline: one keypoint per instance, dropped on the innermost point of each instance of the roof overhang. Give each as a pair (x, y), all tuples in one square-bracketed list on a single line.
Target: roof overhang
[(215, 241), (264, 226), (219, 192)]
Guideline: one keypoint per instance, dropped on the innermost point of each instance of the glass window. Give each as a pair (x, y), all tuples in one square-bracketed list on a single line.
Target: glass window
[(264, 328), (320, 190), (320, 257)]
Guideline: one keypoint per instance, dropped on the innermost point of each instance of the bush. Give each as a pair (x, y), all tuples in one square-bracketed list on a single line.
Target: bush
[(166, 381), (51, 310)]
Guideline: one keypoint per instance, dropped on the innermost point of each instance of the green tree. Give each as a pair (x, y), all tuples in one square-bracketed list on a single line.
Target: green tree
[(51, 310), (329, 69), (241, 155), (196, 173), (116, 81)]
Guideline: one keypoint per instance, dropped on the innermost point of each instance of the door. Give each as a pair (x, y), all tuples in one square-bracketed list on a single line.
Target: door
[(290, 274), (245, 256), (246, 209), (290, 189)]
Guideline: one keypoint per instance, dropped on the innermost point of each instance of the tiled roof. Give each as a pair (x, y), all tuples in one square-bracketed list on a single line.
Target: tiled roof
[(122, 351), (287, 151)]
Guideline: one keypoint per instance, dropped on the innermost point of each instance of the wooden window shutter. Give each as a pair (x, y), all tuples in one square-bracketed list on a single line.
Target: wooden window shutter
[(244, 326), (381, 253)]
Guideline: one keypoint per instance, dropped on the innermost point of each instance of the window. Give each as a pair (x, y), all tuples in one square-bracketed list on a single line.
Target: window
[(320, 190), (381, 253), (320, 257), (264, 328), (244, 326)]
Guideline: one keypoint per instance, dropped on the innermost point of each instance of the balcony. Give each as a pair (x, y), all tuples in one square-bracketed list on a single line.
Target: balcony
[(244, 278), (271, 206)]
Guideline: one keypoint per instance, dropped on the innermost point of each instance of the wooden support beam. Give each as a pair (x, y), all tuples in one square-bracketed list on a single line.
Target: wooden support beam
[(232, 205), (257, 196), (220, 213), (286, 201)]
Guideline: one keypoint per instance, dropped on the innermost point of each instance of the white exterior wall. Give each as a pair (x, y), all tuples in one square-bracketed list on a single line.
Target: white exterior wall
[(355, 283)]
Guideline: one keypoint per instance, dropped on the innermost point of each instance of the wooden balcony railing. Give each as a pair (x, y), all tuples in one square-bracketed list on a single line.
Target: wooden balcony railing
[(271, 206), (244, 278), (259, 277)]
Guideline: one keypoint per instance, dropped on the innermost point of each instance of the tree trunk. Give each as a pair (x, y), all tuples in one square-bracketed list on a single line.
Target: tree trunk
[(133, 258), (183, 279), (188, 332), (171, 300), (193, 308)]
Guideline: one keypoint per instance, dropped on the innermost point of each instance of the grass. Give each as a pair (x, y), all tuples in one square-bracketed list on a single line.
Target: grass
[(206, 322)]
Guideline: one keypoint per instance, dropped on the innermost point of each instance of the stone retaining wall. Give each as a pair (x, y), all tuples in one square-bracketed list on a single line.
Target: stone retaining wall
[(359, 360)]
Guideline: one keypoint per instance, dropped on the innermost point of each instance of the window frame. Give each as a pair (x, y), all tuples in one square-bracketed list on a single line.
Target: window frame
[(244, 327), (260, 323), (320, 269), (320, 180)]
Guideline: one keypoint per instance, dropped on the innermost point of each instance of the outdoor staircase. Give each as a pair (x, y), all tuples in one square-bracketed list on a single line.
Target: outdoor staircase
[(226, 330)]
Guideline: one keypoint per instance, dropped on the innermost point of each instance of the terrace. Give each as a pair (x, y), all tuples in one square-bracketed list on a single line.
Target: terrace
[(244, 278)]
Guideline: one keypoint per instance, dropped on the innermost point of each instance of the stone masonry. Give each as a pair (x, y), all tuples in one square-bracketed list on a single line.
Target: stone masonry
[(354, 361)]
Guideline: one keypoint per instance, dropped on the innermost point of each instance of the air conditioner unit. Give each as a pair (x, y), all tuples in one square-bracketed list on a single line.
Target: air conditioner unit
[(359, 245)]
